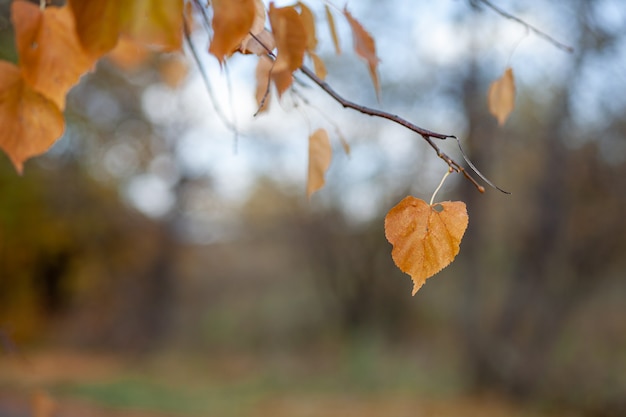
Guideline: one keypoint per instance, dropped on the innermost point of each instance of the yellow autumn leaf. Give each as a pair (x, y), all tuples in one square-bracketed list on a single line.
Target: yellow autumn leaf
[(51, 56), (318, 65), (501, 96), (425, 238), (365, 47), (30, 122), (291, 41), (232, 20), (320, 154), (333, 29)]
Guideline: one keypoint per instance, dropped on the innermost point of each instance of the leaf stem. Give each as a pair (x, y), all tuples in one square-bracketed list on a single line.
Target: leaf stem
[(432, 198)]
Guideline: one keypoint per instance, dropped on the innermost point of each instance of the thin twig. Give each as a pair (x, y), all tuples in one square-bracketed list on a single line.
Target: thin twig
[(538, 32), (205, 79)]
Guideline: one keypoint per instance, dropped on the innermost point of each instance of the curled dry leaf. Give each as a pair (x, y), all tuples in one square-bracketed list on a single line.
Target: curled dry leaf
[(30, 122), (51, 56), (232, 20), (425, 238), (365, 47), (318, 65), (291, 42), (263, 70), (501, 96), (320, 154)]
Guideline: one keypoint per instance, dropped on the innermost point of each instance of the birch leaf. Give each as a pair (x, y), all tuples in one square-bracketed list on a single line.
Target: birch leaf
[(320, 154), (501, 96), (425, 238)]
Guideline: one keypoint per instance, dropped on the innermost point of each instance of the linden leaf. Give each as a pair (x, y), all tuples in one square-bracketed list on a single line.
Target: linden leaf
[(232, 20), (263, 71), (30, 122), (365, 47), (291, 41), (320, 154), (501, 96), (51, 57), (425, 238), (333, 29)]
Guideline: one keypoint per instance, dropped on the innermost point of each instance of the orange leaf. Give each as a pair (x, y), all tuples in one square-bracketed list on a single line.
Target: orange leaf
[(263, 70), (320, 154), (30, 122), (232, 20), (425, 238), (291, 41), (98, 24), (333, 29), (51, 57), (365, 47), (501, 96)]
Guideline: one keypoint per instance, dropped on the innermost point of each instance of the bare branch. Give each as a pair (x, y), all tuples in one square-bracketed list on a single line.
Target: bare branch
[(538, 32)]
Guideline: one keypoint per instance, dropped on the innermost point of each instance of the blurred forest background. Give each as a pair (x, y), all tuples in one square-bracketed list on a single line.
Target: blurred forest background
[(155, 260)]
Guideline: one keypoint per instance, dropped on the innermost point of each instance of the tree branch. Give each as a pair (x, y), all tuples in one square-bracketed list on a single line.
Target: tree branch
[(426, 134), (538, 32)]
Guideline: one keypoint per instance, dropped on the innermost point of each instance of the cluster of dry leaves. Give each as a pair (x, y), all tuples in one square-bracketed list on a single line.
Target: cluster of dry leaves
[(57, 45)]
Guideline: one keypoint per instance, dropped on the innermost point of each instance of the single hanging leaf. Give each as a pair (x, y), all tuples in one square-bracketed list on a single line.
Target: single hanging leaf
[(501, 96), (291, 41), (51, 57), (30, 122), (425, 238), (232, 20), (333, 29), (320, 154), (365, 47)]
